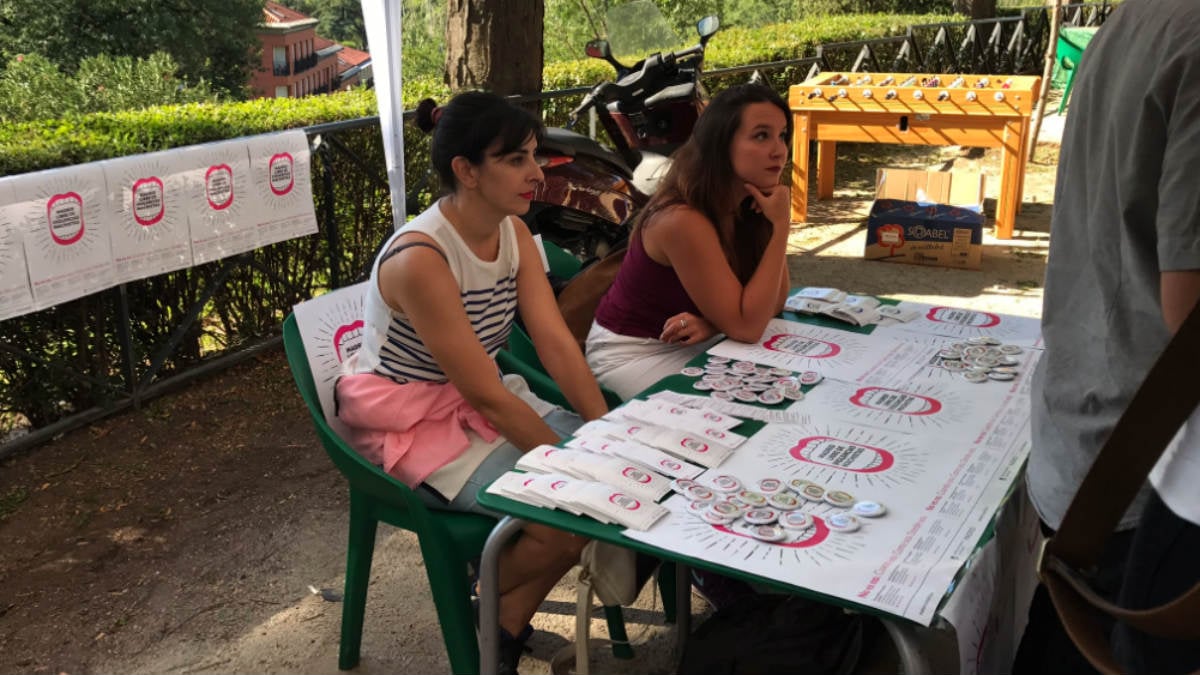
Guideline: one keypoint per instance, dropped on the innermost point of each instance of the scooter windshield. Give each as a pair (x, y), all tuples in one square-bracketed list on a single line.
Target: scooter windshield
[(638, 29)]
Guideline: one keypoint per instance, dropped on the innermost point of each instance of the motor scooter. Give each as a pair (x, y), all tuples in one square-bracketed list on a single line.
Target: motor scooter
[(591, 192)]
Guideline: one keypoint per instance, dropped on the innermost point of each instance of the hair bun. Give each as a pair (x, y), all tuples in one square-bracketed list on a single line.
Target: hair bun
[(428, 113)]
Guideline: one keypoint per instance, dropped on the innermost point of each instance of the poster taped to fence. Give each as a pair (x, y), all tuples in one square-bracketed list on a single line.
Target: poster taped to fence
[(282, 208), (149, 227), (62, 216), (15, 296), (218, 192)]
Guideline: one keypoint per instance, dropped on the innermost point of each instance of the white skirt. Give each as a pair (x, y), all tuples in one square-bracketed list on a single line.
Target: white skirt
[(628, 365)]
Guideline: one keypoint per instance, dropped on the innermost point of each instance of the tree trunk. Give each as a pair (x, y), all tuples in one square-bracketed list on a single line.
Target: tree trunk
[(495, 46), (976, 9)]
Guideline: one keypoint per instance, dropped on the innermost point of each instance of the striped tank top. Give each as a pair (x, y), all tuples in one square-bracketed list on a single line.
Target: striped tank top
[(392, 348)]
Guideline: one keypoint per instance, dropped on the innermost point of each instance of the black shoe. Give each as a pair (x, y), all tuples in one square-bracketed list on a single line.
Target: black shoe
[(511, 649)]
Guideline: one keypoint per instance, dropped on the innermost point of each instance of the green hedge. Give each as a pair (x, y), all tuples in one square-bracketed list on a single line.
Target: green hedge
[(31, 146)]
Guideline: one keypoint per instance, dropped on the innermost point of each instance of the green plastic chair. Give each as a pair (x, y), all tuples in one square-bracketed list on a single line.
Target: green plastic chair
[(448, 540)]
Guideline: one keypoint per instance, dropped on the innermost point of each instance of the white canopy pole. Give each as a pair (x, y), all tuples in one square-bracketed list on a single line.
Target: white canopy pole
[(382, 20)]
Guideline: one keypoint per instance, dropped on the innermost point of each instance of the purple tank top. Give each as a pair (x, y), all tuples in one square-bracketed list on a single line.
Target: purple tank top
[(643, 296)]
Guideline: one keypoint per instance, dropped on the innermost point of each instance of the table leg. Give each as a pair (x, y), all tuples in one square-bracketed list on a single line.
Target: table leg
[(683, 606), (907, 646), (826, 158), (800, 138), (1010, 180), (1026, 156), (489, 593)]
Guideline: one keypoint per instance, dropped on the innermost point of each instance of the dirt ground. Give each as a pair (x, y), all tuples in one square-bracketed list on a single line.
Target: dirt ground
[(184, 537)]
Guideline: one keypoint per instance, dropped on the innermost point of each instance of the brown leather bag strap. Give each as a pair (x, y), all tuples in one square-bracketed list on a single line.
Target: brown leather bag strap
[(1163, 402)]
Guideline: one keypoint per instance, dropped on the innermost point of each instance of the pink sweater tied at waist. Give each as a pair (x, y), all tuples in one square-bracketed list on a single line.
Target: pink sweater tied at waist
[(412, 429)]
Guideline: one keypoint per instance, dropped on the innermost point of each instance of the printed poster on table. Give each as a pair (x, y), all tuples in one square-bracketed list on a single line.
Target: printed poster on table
[(280, 177), (799, 347), (940, 494), (15, 296), (218, 196), (62, 217), (963, 324), (149, 225)]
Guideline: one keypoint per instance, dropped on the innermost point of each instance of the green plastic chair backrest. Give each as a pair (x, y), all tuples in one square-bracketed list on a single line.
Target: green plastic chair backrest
[(361, 474), (562, 264)]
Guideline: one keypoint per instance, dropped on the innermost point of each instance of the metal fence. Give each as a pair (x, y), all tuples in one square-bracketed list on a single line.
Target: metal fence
[(68, 366)]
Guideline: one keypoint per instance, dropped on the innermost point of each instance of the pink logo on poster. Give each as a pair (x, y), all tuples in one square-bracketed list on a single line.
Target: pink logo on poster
[(845, 455), (820, 532), (218, 186), (282, 171), (149, 204), (802, 346), (64, 216), (625, 502), (894, 400), (962, 317), (345, 341)]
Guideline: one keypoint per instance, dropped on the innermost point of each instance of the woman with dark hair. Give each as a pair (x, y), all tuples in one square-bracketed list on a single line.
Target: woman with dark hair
[(423, 397), (707, 255)]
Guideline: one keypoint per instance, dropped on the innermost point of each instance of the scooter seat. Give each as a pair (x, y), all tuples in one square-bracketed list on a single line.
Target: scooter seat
[(572, 144), (674, 92)]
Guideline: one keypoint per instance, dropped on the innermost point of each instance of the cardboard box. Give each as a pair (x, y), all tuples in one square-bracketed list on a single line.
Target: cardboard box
[(927, 218)]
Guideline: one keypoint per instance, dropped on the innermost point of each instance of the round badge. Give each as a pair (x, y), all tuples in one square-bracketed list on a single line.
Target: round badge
[(702, 385), (770, 397), (760, 516), (955, 366), (869, 509), (839, 498), (1001, 376), (726, 509), (692, 371), (699, 493), (718, 359), (746, 395), (785, 501), (798, 484), (813, 492), (722, 395), (975, 376), (767, 532), (792, 393), (1010, 350), (796, 520), (811, 377), (681, 485), (780, 372), (726, 483), (950, 353), (697, 508), (715, 518), (712, 377), (842, 522), (752, 498), (770, 486), (1006, 360)]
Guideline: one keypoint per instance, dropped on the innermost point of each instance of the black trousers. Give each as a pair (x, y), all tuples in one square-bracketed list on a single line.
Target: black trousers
[(1164, 562)]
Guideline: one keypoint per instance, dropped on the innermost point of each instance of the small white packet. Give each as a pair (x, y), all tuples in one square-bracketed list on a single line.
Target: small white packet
[(901, 314), (804, 305), (664, 463), (632, 477), (691, 447), (625, 509), (868, 301), (820, 294), (516, 486)]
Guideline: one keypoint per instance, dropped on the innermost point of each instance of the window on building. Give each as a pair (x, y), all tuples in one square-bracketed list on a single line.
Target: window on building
[(281, 91)]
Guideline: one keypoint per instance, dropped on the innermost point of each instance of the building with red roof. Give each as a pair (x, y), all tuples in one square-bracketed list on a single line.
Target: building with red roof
[(298, 62)]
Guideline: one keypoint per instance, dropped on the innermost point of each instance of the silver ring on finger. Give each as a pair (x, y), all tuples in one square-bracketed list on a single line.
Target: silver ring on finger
[(683, 323)]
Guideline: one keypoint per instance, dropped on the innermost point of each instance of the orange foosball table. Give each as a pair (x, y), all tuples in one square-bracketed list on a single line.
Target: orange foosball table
[(990, 111)]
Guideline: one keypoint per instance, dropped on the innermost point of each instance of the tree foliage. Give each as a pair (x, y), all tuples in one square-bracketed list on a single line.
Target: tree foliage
[(340, 20), (33, 88), (211, 40)]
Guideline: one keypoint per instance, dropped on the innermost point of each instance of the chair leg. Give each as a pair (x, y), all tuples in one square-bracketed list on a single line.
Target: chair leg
[(448, 585), (583, 626), (360, 549)]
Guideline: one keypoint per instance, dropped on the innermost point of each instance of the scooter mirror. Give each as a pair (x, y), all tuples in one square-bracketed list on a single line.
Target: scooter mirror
[(598, 49), (707, 26)]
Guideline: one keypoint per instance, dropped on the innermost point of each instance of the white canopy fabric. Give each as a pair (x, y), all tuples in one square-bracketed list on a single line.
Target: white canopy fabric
[(382, 20)]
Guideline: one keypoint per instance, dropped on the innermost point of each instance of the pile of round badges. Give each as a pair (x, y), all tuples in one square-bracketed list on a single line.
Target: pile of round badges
[(749, 383), (980, 359), (771, 510)]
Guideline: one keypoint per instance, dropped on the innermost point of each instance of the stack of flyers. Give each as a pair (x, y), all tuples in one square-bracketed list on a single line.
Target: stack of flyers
[(698, 448), (666, 464), (896, 314), (666, 414), (605, 503), (618, 472), (823, 295)]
